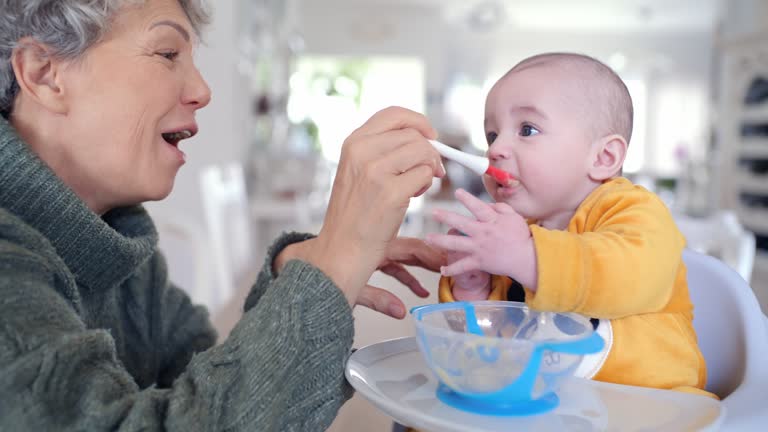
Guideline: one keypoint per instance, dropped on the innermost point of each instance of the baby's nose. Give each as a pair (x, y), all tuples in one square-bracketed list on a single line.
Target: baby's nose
[(498, 152)]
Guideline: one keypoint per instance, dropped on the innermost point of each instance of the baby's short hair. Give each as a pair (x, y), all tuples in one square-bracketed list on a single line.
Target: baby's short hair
[(608, 93)]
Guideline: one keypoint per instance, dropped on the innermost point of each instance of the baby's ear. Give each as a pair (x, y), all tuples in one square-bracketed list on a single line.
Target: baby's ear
[(607, 157)]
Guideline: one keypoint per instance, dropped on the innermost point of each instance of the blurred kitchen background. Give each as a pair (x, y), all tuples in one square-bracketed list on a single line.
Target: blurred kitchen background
[(292, 78)]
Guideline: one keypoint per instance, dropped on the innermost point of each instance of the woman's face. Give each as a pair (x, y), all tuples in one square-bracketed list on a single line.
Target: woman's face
[(133, 96)]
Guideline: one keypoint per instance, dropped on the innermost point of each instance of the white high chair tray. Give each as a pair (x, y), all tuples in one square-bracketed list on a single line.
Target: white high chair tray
[(394, 377)]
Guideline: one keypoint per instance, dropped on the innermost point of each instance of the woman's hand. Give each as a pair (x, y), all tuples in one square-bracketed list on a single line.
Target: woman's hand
[(400, 252), (384, 163), (498, 241)]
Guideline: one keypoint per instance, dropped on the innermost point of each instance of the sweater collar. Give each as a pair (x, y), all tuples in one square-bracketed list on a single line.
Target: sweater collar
[(101, 252)]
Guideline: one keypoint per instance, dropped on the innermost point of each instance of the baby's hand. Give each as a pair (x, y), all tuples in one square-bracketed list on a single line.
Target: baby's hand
[(471, 285), (498, 241)]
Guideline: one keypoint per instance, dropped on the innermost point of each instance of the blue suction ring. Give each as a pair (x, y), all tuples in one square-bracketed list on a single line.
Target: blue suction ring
[(516, 398), (541, 405)]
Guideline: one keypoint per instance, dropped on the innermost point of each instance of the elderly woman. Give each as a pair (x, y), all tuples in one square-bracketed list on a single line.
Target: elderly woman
[(95, 97)]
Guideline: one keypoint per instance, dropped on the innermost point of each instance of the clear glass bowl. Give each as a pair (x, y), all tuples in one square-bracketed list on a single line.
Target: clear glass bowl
[(502, 353)]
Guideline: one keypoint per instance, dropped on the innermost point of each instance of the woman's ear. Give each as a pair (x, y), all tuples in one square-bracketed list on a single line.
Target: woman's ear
[(607, 158), (38, 74)]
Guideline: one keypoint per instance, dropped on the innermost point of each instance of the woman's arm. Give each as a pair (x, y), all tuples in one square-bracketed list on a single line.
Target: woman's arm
[(281, 368)]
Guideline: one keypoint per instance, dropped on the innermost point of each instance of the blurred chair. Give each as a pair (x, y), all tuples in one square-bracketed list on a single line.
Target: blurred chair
[(733, 337), (225, 207), (722, 236), (184, 246)]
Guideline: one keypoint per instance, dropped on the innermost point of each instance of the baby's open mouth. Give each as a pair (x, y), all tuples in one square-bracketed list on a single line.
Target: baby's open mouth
[(512, 183)]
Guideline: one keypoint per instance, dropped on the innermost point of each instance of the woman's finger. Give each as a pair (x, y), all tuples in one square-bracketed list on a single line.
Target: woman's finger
[(415, 252), (372, 147), (451, 243), (395, 118), (408, 184), (382, 301), (399, 272), (479, 208), (409, 155)]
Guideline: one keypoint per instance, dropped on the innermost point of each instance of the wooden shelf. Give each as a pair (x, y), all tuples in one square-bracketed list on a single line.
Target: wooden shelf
[(754, 219), (755, 114), (754, 184), (754, 148)]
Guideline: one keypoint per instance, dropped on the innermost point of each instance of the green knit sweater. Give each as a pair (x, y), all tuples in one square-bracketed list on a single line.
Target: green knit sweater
[(93, 336)]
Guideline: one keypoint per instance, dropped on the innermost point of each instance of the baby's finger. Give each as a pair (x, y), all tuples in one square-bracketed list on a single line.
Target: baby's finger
[(400, 273), (463, 265), (465, 225), (451, 243), (503, 208), (481, 209)]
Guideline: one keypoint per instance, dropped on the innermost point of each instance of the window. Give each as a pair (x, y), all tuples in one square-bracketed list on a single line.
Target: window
[(339, 94)]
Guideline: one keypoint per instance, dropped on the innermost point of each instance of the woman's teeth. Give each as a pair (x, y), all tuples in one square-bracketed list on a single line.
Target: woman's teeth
[(174, 137)]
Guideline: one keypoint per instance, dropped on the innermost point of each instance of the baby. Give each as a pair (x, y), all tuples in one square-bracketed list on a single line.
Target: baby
[(572, 235)]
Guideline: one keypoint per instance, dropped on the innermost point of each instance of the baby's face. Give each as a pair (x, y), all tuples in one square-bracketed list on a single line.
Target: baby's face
[(537, 129)]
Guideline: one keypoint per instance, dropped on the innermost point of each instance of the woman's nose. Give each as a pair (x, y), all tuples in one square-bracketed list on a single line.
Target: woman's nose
[(196, 93)]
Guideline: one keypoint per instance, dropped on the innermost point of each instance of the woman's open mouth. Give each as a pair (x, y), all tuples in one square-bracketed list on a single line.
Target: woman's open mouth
[(173, 138)]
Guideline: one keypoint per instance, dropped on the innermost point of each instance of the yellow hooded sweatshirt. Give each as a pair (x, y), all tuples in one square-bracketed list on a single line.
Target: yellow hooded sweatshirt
[(620, 259)]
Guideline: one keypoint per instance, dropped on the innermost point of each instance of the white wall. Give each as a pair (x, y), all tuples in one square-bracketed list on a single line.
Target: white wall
[(744, 17), (448, 49)]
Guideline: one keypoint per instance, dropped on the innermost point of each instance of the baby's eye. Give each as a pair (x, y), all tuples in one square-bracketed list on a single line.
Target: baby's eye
[(490, 137), (528, 130)]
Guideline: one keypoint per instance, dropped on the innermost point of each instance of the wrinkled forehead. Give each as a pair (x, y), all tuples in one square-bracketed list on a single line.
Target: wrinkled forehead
[(144, 16)]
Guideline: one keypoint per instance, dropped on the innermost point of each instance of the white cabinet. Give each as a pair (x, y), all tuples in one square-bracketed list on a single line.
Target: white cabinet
[(742, 128)]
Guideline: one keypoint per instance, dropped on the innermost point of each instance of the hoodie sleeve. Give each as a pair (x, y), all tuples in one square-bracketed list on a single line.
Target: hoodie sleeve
[(626, 263)]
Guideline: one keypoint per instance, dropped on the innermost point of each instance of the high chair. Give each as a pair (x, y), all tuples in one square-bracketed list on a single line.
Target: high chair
[(733, 337)]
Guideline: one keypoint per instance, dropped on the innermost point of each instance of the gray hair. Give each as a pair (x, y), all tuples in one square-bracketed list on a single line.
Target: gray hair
[(67, 27)]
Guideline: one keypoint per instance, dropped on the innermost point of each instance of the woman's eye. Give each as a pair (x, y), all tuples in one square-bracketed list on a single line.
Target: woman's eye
[(170, 55), (490, 137), (528, 130)]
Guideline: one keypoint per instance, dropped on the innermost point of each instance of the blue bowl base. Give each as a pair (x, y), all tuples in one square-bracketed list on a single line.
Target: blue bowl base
[(541, 405)]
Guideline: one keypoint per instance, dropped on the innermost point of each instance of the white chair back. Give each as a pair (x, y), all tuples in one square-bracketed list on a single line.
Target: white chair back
[(184, 246), (226, 213), (733, 337)]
